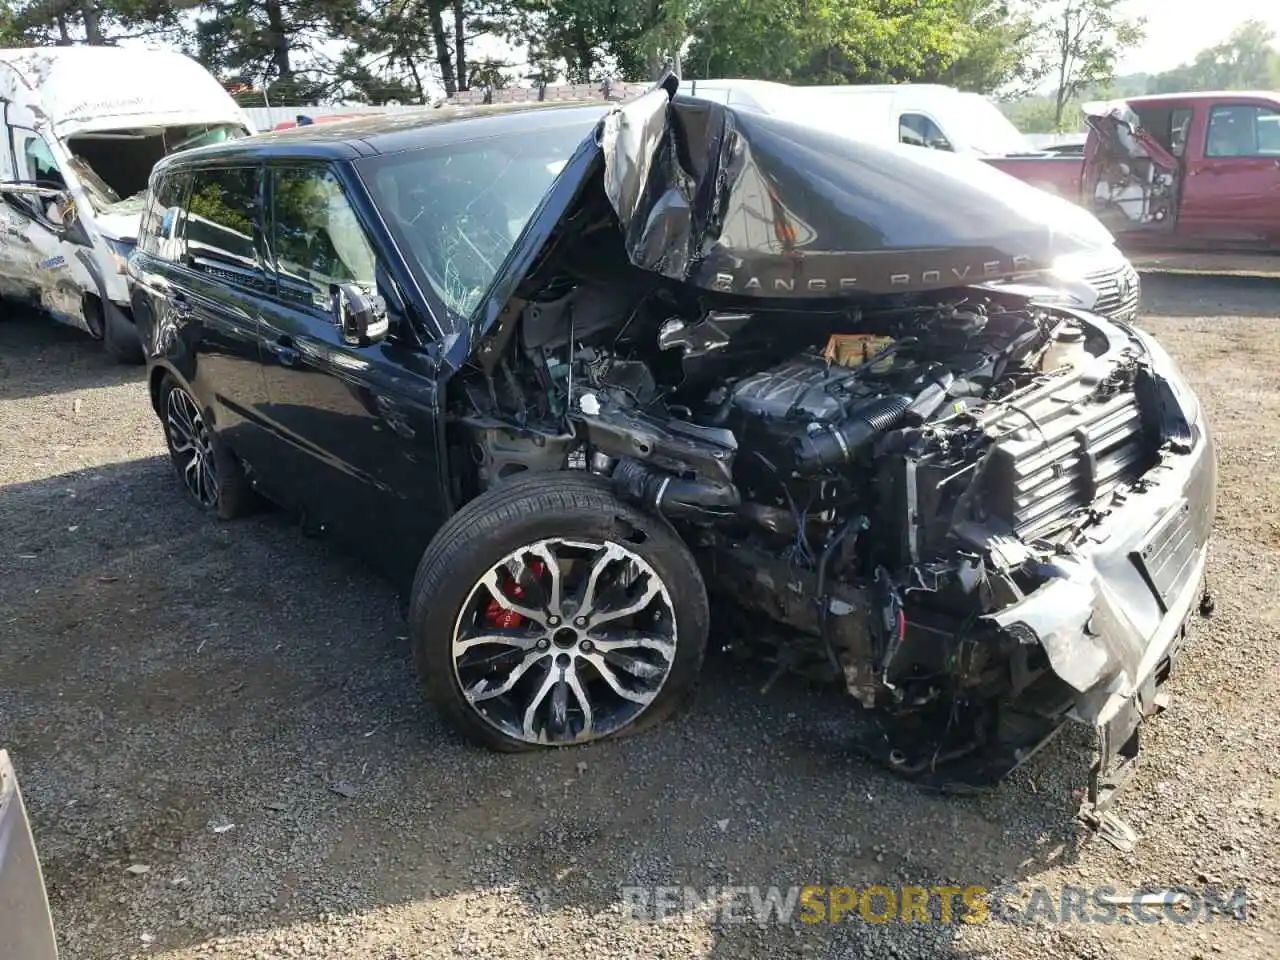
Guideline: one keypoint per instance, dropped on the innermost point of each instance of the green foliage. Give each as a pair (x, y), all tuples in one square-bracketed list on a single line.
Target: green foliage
[(627, 39), (297, 52), (824, 41), (45, 22), (1247, 60), (996, 48), (1040, 115)]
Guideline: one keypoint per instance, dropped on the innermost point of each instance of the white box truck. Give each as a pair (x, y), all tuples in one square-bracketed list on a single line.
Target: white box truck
[(83, 126)]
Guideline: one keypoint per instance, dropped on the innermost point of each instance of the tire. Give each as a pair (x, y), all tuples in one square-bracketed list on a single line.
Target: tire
[(551, 519), (210, 475), (120, 337)]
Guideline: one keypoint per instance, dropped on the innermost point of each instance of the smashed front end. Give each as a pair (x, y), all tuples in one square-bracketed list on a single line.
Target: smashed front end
[(981, 516)]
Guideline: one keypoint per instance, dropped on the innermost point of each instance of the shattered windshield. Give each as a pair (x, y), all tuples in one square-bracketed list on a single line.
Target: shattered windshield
[(117, 163), (457, 212), (100, 195)]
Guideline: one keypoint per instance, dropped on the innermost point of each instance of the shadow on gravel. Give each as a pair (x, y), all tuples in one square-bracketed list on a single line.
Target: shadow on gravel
[(233, 707), (74, 361), (1183, 295)]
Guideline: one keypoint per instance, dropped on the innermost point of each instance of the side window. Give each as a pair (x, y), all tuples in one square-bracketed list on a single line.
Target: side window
[(38, 163), (919, 131), (162, 230), (1179, 127), (316, 238), (220, 226), (1243, 131)]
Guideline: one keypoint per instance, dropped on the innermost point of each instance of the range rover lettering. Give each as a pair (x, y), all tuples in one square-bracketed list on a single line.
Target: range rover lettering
[(497, 342)]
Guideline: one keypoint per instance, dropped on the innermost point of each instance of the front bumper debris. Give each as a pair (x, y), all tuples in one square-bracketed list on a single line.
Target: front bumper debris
[(1113, 619)]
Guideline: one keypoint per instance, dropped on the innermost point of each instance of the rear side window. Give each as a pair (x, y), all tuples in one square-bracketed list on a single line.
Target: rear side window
[(1243, 131), (220, 225), (1179, 127), (316, 238), (919, 131), (162, 230)]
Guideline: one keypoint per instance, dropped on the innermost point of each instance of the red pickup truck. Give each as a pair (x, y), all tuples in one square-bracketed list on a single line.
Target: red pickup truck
[(1185, 170)]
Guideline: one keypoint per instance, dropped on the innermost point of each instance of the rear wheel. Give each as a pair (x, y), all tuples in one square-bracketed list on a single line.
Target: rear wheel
[(210, 475), (549, 613)]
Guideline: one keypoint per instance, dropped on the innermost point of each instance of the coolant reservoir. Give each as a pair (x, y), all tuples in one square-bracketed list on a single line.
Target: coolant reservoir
[(1065, 350)]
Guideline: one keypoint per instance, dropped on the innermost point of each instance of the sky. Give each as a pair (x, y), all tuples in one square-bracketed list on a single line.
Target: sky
[(1179, 29)]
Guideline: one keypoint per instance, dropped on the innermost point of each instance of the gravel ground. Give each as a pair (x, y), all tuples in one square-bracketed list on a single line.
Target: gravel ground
[(163, 676)]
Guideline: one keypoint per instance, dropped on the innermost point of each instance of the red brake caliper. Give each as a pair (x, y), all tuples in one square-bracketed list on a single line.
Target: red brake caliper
[(496, 615)]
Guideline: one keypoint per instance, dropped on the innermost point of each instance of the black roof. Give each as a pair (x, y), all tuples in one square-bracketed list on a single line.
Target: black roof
[(386, 133)]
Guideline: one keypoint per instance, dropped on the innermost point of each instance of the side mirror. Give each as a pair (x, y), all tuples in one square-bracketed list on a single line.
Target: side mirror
[(361, 316), (57, 194), (51, 204)]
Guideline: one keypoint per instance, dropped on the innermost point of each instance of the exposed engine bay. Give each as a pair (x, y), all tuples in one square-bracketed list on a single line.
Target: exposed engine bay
[(881, 482)]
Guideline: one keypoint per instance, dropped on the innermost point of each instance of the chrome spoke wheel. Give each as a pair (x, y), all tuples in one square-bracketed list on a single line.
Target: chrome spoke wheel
[(565, 640), (191, 446)]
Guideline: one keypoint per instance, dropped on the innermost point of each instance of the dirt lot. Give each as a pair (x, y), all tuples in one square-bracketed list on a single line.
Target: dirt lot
[(163, 675)]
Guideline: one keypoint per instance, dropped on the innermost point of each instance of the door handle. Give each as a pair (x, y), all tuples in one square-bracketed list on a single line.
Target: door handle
[(285, 351)]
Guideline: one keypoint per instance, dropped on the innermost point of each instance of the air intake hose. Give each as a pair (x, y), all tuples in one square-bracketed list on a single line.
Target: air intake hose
[(675, 497), (828, 444)]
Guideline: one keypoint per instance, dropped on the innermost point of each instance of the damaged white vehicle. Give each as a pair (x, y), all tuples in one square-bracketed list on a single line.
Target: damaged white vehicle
[(83, 128)]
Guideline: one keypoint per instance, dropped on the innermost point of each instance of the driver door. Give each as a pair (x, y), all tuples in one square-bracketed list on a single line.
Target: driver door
[(38, 265), (354, 426)]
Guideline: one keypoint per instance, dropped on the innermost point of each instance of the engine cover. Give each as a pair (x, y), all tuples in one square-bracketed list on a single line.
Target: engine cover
[(806, 389)]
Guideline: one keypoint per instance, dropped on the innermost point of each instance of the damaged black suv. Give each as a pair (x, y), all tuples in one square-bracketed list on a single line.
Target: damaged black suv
[(614, 376)]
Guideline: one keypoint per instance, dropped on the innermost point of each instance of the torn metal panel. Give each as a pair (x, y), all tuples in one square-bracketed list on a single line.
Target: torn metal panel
[(35, 269)]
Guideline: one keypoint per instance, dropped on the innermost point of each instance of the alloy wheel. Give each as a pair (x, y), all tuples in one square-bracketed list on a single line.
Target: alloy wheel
[(191, 445), (564, 641)]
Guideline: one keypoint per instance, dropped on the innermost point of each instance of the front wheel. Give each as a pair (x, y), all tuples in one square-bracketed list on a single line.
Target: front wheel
[(547, 612)]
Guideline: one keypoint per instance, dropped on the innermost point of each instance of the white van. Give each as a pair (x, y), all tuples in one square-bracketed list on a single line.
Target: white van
[(921, 114), (84, 126)]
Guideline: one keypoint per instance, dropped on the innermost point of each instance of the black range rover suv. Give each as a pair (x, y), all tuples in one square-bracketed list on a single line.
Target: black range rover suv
[(610, 376)]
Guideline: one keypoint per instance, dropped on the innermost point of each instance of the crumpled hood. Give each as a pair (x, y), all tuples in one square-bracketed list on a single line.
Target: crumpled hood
[(744, 203)]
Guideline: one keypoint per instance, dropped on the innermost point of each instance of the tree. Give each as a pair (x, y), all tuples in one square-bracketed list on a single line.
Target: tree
[(997, 48), (1086, 38), (95, 22), (597, 38), (262, 42), (824, 41), (1247, 60)]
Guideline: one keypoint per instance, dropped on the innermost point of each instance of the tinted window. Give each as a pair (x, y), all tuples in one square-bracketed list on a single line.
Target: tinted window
[(1243, 131), (1179, 127), (39, 162), (162, 233), (220, 225), (919, 131), (456, 213), (316, 237)]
